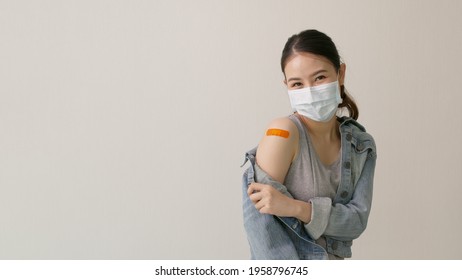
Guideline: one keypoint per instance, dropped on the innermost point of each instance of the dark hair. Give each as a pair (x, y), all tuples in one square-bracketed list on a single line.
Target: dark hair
[(318, 43)]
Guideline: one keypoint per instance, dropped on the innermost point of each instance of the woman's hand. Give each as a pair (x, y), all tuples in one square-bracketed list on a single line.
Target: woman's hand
[(268, 200)]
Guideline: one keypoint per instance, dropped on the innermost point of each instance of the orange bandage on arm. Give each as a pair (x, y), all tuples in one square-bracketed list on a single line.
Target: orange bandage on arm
[(277, 132)]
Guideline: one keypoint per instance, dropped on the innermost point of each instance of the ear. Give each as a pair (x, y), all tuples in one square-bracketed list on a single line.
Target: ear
[(342, 71), (284, 81)]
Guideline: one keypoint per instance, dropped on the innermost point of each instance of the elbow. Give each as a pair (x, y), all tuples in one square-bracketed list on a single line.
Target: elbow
[(362, 218)]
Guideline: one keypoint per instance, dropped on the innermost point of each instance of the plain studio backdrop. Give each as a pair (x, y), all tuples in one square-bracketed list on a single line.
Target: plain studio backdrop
[(123, 124)]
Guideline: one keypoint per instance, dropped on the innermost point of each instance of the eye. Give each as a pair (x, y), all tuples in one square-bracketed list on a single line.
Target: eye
[(319, 78), (297, 84)]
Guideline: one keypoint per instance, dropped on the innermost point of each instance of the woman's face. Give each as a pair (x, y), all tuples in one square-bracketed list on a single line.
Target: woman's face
[(308, 70)]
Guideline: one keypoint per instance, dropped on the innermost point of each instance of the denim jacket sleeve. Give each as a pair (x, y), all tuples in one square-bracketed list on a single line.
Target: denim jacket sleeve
[(345, 218), (266, 235), (273, 237)]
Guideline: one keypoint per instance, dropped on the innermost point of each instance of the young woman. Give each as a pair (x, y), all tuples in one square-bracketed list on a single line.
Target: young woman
[(308, 191)]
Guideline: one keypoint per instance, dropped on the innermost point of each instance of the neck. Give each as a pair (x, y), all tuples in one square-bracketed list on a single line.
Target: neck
[(328, 131)]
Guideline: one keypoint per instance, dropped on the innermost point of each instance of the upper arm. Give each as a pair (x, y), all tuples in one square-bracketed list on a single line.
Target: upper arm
[(275, 153)]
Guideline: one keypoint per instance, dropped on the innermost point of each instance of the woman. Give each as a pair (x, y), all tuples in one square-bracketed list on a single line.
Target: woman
[(308, 192)]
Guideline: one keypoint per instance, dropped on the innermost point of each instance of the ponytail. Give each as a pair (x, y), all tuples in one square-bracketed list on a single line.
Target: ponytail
[(348, 103)]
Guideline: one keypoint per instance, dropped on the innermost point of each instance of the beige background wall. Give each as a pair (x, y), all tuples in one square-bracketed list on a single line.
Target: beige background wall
[(123, 123)]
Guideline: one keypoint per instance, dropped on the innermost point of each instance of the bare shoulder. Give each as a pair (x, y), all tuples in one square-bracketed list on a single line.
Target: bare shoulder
[(278, 147), (284, 123)]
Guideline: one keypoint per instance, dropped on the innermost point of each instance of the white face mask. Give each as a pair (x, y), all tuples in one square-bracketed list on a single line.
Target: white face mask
[(318, 103)]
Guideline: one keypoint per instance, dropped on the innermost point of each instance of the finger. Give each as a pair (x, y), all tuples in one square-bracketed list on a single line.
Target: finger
[(255, 197), (249, 190), (258, 186), (262, 210), (252, 188), (260, 204), (255, 187)]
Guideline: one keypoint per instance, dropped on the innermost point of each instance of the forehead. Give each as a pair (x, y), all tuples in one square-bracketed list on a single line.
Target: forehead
[(304, 63)]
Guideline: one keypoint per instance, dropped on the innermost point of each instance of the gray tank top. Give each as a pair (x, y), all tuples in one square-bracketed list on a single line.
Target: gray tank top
[(307, 176)]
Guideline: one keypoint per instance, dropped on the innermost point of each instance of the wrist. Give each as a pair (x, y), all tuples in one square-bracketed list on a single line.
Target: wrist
[(303, 211)]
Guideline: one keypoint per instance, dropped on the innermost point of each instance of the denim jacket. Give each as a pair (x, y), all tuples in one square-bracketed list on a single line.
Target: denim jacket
[(339, 220)]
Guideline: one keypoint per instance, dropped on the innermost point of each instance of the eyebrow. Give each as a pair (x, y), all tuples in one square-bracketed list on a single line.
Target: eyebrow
[(314, 74)]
